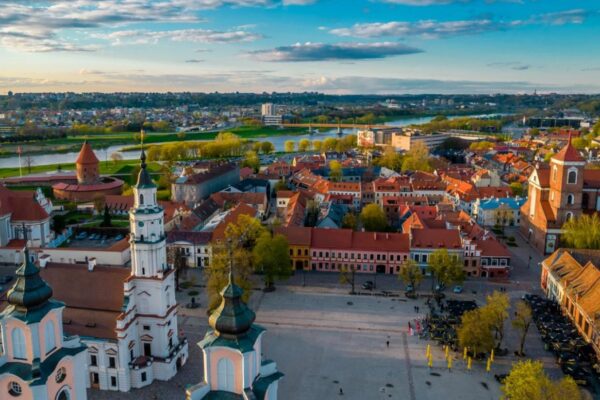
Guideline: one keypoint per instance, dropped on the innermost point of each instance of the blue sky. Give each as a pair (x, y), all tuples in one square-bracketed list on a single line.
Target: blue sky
[(333, 46)]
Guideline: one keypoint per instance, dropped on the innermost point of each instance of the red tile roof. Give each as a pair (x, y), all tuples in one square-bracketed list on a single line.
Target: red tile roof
[(568, 153), (86, 155), (296, 235), (365, 241), (436, 238), (21, 205)]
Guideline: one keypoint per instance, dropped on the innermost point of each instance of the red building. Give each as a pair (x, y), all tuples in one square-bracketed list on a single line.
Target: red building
[(90, 185)]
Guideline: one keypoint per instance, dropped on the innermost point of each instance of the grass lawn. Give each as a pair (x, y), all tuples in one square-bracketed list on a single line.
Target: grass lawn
[(104, 140), (119, 168)]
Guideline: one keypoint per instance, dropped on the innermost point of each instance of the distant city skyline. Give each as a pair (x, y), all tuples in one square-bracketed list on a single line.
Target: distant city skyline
[(331, 46)]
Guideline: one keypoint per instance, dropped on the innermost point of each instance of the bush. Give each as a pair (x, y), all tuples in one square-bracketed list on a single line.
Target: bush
[(193, 293)]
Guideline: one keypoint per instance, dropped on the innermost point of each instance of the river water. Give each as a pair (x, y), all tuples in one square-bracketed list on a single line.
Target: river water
[(278, 142)]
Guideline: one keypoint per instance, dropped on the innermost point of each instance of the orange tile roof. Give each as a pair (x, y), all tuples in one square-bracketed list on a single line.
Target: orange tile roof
[(568, 153), (219, 231), (86, 155), (436, 238), (296, 235)]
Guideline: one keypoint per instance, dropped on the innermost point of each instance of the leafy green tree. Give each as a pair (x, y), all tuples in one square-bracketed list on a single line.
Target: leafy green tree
[(106, 220), (533, 132), (303, 145), (349, 221), (517, 188), (267, 147), (289, 146), (475, 332), (417, 158), (496, 312), (317, 145), (373, 218), (390, 159), (410, 273), (582, 232), (271, 256), (446, 268), (522, 322), (596, 128), (329, 144), (528, 381), (251, 160), (335, 171)]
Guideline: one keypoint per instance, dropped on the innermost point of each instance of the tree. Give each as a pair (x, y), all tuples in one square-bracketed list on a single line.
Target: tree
[(280, 185), (390, 159), (236, 250), (528, 381), (517, 188), (410, 273), (496, 312), (271, 256), (116, 157), (533, 132), (335, 171), (582, 232), (303, 145), (446, 268), (348, 275), (179, 262), (596, 128), (267, 147), (106, 219), (417, 158), (251, 160), (317, 145), (475, 332), (373, 218), (289, 146), (349, 221), (59, 223), (29, 162), (329, 144), (522, 322)]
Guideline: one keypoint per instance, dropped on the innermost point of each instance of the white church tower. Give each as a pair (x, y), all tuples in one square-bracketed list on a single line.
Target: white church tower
[(159, 351)]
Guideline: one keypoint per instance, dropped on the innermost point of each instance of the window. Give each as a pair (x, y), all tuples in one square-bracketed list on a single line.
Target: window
[(141, 199), (61, 374), (64, 394), (225, 375), (572, 176), (113, 381), (146, 327), (49, 336), (93, 360), (18, 342), (144, 377), (568, 216), (14, 389), (112, 362), (570, 199)]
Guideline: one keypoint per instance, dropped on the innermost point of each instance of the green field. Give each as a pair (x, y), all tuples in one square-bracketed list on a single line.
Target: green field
[(121, 169), (104, 140)]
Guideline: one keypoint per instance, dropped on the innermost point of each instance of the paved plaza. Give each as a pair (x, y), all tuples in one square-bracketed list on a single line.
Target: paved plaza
[(325, 340)]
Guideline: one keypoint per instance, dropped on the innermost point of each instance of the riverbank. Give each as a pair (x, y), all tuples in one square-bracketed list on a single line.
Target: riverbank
[(122, 169)]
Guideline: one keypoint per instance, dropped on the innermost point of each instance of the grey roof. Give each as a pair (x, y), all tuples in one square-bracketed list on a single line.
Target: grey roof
[(144, 180)]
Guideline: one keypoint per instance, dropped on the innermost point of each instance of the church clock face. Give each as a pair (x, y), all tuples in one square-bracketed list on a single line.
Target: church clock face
[(140, 224)]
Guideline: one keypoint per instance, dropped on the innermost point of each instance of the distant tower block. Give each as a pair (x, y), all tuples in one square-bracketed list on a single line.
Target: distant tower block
[(87, 163), (233, 365)]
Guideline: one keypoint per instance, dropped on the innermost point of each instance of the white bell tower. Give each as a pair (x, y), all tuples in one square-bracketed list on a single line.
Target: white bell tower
[(148, 240)]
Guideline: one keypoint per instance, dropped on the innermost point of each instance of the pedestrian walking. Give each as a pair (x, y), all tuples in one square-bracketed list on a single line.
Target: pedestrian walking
[(341, 392), (387, 343)]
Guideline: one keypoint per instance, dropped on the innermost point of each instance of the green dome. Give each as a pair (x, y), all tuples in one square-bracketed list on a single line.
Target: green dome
[(30, 291), (233, 318)]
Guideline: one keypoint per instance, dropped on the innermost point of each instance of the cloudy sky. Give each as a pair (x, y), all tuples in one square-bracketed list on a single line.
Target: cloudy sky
[(333, 46)]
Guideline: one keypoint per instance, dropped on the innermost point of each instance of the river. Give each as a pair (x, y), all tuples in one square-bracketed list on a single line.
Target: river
[(278, 142)]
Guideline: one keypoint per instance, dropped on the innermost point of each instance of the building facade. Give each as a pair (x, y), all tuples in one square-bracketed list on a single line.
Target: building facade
[(38, 362)]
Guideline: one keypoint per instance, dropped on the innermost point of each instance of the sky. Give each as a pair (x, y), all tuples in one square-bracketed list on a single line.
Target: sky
[(330, 46)]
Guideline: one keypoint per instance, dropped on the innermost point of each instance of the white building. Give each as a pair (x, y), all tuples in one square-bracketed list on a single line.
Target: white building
[(36, 360), (127, 316)]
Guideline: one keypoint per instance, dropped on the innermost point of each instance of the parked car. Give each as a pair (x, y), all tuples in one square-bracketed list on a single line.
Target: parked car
[(440, 287), (368, 285), (410, 288), (457, 289)]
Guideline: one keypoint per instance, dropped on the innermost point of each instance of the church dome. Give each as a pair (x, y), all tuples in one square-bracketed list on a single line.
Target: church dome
[(233, 318)]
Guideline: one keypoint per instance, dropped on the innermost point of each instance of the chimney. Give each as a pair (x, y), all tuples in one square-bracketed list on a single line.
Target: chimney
[(44, 260), (91, 264), (374, 235)]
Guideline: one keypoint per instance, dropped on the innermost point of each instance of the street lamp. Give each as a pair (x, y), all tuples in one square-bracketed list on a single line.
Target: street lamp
[(529, 262)]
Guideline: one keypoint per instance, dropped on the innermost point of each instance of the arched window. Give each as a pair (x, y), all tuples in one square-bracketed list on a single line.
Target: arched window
[(18, 342), (64, 394), (570, 199), (49, 336), (572, 176), (568, 216), (225, 375), (141, 199)]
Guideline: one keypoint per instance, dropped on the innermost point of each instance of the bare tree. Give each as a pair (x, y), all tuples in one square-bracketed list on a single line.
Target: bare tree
[(29, 162)]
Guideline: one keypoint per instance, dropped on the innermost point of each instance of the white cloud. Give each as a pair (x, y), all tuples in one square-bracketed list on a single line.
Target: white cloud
[(181, 35)]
